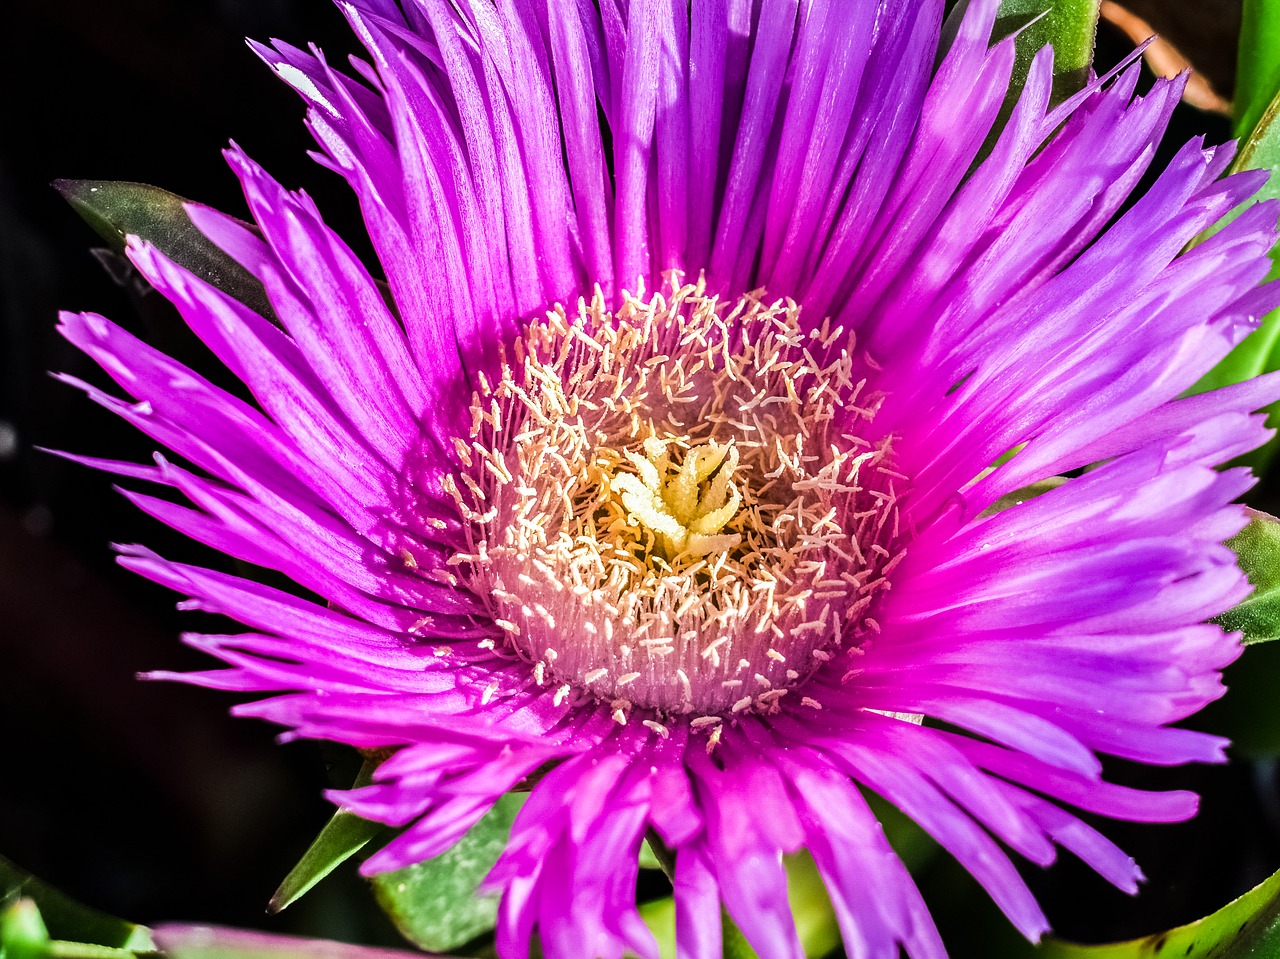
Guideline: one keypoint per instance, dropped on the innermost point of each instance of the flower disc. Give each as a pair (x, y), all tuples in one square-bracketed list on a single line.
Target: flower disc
[(675, 506)]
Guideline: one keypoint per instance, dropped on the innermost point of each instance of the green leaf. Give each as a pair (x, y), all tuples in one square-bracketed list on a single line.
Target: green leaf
[(660, 916), (66, 918), (344, 835), (735, 945), (810, 906), (22, 932), (1247, 715), (1248, 928), (647, 858), (1258, 64), (1257, 353), (1260, 151), (117, 209), (1070, 26), (1257, 546), (915, 847), (1020, 496), (434, 903)]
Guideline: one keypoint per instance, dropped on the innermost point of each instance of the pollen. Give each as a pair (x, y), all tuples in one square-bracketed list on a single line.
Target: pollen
[(675, 496)]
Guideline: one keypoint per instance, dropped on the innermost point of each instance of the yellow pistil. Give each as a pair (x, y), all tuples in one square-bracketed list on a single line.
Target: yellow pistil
[(686, 505)]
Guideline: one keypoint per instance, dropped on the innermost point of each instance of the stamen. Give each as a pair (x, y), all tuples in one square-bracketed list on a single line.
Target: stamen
[(678, 495)]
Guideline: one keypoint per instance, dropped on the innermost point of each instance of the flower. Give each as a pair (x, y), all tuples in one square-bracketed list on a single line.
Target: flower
[(181, 939), (662, 470)]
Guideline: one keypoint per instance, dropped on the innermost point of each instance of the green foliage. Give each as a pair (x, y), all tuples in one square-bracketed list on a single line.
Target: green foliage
[(65, 918), (344, 835), (647, 858), (22, 932), (973, 927), (1257, 546), (810, 906), (815, 917), (1022, 495), (1257, 104), (1248, 928), (734, 943), (1258, 353), (915, 847), (434, 903), (1247, 715), (1070, 26), (117, 210), (660, 916), (1258, 64)]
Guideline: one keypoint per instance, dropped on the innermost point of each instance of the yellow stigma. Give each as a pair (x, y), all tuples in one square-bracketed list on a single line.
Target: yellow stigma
[(685, 505)]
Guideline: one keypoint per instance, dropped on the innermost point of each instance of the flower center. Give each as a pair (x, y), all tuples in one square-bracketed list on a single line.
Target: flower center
[(685, 505), (675, 507)]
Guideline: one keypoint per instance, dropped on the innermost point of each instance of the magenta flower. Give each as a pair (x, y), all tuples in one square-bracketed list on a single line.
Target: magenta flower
[(662, 467)]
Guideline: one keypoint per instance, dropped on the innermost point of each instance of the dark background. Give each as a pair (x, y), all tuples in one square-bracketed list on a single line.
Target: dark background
[(147, 799)]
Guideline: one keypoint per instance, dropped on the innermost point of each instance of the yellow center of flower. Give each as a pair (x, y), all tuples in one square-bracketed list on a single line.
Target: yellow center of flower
[(685, 504), (673, 507)]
